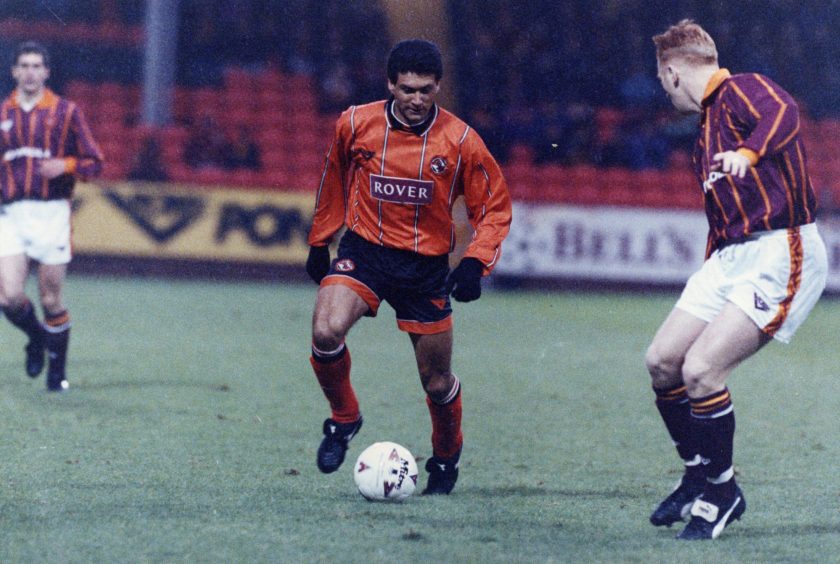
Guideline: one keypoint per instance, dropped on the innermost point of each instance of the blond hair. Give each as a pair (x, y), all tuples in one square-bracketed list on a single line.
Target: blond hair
[(687, 41)]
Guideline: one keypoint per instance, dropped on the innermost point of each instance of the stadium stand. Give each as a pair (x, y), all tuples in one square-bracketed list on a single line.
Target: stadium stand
[(574, 113)]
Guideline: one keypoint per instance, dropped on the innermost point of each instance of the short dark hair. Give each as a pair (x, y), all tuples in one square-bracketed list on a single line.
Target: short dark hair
[(28, 47), (414, 55)]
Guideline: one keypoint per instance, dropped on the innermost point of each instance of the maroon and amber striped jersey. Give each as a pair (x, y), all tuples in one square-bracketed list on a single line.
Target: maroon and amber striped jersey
[(752, 114), (395, 186), (54, 128)]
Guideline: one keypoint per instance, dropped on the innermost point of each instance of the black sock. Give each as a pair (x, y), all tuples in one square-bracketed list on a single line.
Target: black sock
[(57, 330), (675, 410), (24, 318), (713, 423)]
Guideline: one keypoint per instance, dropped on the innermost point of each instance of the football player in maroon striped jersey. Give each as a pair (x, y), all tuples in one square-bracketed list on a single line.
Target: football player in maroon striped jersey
[(765, 267), (45, 144)]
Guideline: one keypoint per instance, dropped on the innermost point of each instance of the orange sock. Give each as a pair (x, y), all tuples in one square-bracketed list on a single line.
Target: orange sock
[(447, 437), (333, 375)]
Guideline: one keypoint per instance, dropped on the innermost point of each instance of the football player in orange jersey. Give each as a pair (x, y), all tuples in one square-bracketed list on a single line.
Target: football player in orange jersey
[(391, 177)]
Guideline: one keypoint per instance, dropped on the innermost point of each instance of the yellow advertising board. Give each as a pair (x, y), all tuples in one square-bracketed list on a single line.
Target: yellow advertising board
[(169, 221)]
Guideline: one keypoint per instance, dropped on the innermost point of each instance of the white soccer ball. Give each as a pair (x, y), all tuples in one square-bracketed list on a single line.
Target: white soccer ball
[(385, 471)]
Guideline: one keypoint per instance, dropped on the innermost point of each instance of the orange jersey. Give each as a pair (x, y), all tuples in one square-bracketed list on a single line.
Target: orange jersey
[(395, 186)]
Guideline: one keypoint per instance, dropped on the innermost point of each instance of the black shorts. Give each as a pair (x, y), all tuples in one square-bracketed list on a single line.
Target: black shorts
[(414, 284)]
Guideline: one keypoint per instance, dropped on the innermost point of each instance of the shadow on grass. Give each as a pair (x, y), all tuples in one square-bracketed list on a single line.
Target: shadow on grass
[(534, 491), (791, 530), (141, 384)]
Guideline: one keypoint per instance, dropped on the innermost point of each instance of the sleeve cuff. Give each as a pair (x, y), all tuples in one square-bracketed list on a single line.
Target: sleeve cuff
[(750, 154), (70, 165)]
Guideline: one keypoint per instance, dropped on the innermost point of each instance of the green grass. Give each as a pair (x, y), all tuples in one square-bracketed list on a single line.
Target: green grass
[(190, 429)]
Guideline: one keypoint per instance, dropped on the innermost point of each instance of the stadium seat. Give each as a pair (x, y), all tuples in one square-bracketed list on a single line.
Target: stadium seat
[(521, 153), (210, 176), (243, 177), (180, 172), (617, 186), (238, 79), (273, 178), (79, 91), (204, 101), (682, 190), (270, 79)]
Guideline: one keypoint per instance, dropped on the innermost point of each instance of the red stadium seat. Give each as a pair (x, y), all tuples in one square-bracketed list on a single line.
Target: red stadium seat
[(520, 153), (243, 177), (211, 176), (273, 178), (180, 172), (204, 101), (617, 186), (271, 79), (238, 79), (79, 90)]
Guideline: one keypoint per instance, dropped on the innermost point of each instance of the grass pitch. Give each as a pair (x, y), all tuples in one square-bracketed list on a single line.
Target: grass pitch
[(190, 429)]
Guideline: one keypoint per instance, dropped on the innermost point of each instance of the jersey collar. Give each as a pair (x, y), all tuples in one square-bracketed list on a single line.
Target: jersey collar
[(714, 83), (48, 99), (418, 129)]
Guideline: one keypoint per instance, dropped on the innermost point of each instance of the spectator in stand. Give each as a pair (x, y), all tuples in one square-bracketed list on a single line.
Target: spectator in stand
[(244, 152), (489, 126), (207, 146), (148, 164), (644, 145), (551, 140)]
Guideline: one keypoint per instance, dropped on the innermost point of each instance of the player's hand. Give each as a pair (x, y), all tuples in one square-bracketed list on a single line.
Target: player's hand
[(318, 263), (464, 282), (51, 168), (731, 162)]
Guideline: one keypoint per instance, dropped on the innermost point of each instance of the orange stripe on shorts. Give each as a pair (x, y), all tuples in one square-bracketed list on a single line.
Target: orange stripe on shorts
[(794, 281)]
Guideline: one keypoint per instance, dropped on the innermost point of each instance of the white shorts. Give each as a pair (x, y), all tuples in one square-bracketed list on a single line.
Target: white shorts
[(38, 229), (775, 277)]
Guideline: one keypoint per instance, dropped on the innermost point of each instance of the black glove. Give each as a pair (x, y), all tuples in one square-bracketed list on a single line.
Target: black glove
[(464, 283), (318, 263)]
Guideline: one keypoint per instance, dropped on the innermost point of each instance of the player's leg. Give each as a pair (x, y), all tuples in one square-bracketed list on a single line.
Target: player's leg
[(728, 340), (433, 352), (664, 360), (14, 269), (337, 308), (56, 322)]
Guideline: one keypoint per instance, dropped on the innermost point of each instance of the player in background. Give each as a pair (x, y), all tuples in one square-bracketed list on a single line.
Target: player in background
[(46, 145), (765, 267), (392, 174)]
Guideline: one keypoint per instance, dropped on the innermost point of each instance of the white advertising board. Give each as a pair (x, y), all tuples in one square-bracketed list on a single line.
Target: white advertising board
[(635, 245)]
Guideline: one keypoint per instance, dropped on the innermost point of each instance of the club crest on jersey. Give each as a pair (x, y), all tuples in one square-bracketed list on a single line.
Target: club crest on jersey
[(438, 165), (345, 265), (6, 125), (401, 190)]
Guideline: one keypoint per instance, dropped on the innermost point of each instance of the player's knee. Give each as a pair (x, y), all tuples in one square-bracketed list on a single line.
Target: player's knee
[(51, 302), (12, 302), (662, 367), (327, 335), (698, 375), (438, 385)]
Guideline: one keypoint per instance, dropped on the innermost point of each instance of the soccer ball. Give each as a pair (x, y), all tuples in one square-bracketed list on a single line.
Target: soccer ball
[(385, 472)]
